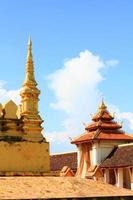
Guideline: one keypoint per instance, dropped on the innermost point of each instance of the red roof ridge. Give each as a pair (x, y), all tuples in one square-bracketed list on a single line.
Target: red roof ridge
[(85, 133)]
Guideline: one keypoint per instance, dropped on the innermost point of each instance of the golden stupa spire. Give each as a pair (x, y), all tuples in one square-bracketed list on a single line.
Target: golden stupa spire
[(29, 92), (29, 101), (30, 79), (102, 106)]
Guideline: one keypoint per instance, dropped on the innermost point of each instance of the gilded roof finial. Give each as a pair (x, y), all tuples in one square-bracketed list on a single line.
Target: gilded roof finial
[(29, 101), (29, 53), (29, 65), (102, 106), (30, 42)]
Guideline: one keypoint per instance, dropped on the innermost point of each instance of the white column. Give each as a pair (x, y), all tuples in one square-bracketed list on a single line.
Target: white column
[(106, 175), (95, 154), (132, 185), (78, 155), (119, 179), (131, 177)]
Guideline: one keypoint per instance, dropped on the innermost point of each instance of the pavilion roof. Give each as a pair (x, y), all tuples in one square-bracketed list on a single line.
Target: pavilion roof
[(102, 127), (86, 137), (102, 113)]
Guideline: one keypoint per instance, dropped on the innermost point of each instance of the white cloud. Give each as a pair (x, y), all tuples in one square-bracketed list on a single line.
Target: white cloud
[(75, 86), (59, 137), (129, 117), (79, 77), (6, 95), (126, 117), (112, 63)]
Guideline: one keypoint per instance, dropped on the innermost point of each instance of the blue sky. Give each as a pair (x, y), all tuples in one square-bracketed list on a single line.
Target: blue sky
[(60, 31)]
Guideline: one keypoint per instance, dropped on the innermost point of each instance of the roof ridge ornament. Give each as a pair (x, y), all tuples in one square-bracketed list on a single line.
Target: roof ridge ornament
[(29, 77), (29, 101), (29, 41), (102, 106)]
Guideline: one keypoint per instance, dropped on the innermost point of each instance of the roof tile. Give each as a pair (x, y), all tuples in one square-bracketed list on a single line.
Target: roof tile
[(58, 161), (119, 157)]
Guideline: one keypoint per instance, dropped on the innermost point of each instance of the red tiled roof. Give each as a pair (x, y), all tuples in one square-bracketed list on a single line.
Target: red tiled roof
[(103, 127), (115, 136), (89, 136), (119, 157), (83, 138), (102, 115), (58, 161)]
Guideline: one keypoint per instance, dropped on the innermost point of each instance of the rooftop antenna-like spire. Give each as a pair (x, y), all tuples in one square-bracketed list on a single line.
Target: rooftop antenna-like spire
[(30, 79), (102, 105)]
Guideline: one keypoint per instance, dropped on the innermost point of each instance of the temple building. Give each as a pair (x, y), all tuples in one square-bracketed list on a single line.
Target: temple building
[(117, 168), (101, 151), (23, 148)]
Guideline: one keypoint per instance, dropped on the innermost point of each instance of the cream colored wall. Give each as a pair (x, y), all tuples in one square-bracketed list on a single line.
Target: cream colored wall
[(119, 177), (94, 154), (78, 155), (24, 156), (100, 150)]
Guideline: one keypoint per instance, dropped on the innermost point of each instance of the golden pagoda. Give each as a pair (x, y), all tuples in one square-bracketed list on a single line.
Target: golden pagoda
[(29, 102), (23, 148)]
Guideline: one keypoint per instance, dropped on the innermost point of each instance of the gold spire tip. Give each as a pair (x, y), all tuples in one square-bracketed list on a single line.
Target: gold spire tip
[(102, 105), (29, 42)]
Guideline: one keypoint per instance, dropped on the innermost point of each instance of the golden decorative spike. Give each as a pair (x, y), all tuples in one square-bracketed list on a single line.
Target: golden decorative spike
[(29, 41), (29, 101), (30, 66), (29, 92), (102, 106)]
